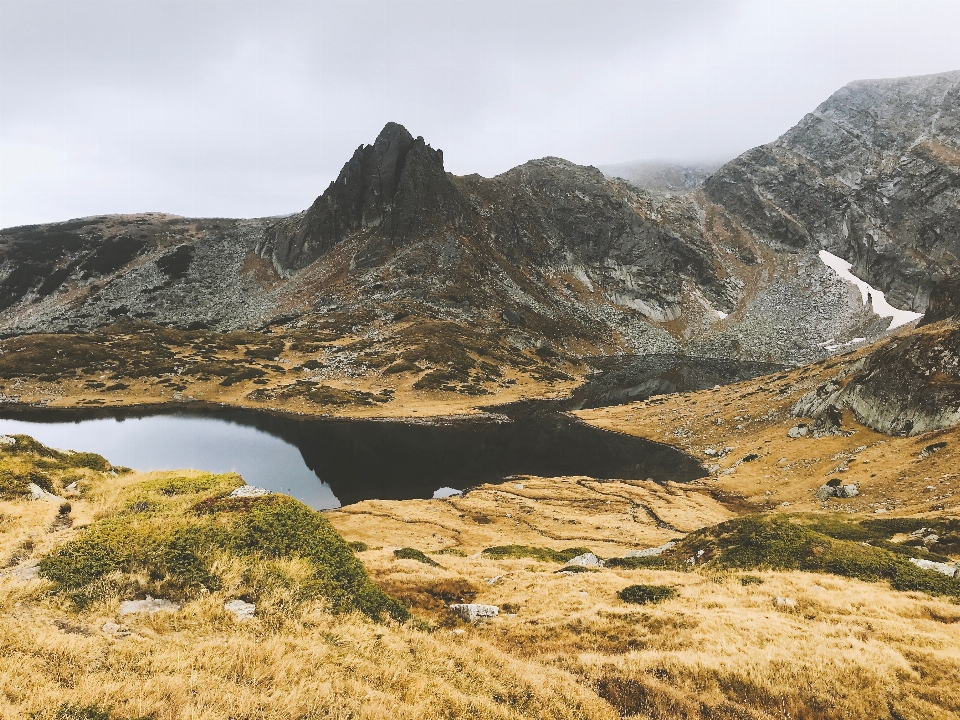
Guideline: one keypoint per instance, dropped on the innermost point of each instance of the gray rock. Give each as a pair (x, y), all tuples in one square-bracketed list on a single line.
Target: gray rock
[(585, 560), (249, 491), (943, 568), (474, 611), (7, 441), (242, 610), (797, 431), (651, 552), (150, 605), (834, 489), (38, 493), (785, 602)]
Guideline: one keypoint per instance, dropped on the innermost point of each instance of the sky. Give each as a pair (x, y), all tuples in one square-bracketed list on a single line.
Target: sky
[(250, 108)]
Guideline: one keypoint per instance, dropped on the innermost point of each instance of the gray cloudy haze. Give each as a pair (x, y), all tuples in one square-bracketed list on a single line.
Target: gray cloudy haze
[(243, 109)]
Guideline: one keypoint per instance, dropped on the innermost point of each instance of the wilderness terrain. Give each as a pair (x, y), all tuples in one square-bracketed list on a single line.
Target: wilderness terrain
[(809, 573)]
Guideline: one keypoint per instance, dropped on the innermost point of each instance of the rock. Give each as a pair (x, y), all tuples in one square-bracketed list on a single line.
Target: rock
[(585, 560), (943, 568), (651, 552), (474, 611), (6, 441), (29, 571), (784, 602), (243, 610), (797, 431), (150, 605), (38, 493), (834, 489), (249, 491)]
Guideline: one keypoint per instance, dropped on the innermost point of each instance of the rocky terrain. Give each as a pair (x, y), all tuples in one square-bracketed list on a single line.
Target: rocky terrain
[(662, 176)]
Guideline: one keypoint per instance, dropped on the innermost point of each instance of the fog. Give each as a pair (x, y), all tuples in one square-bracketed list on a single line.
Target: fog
[(250, 108)]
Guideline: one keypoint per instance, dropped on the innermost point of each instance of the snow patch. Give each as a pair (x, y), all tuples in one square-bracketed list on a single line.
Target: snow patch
[(880, 305)]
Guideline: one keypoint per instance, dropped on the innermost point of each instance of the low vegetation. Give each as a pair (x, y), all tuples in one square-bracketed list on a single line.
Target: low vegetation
[(514, 552), (177, 532), (646, 594), (815, 544)]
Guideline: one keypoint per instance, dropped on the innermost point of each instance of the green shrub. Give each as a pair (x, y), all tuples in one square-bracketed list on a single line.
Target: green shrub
[(516, 552), (456, 552), (358, 546), (408, 553), (633, 563), (646, 594), (750, 580), (176, 553)]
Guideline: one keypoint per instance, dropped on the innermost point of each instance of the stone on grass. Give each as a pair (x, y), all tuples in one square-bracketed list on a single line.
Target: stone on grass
[(797, 431), (474, 611), (6, 440), (249, 491), (944, 568), (243, 610), (651, 552), (784, 602), (38, 493), (586, 560), (150, 605)]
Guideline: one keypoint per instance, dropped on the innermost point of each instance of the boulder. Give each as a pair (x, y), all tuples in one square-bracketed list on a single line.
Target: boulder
[(943, 568), (784, 602), (586, 560), (242, 610), (835, 489), (38, 493), (797, 431), (150, 605), (249, 491), (474, 611)]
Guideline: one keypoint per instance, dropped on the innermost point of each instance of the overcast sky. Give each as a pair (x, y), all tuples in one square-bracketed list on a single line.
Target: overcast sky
[(243, 109)]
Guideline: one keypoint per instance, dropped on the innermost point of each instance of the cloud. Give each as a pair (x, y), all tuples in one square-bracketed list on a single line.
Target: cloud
[(205, 107)]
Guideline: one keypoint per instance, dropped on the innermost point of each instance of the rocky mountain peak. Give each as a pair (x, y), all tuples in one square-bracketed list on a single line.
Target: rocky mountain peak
[(392, 189)]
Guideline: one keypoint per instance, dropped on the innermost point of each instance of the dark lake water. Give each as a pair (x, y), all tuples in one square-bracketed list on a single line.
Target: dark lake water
[(329, 462)]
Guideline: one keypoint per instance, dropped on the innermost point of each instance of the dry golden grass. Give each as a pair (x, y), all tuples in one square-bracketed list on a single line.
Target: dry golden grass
[(564, 646)]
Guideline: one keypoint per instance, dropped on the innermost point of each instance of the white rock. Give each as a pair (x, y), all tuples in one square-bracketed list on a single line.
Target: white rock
[(586, 560), (797, 431), (38, 493), (113, 628), (6, 440), (150, 605), (473, 611), (243, 610), (249, 491), (944, 568), (651, 552), (784, 602), (27, 572)]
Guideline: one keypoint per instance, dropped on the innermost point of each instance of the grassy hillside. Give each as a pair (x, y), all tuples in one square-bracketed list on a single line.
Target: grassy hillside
[(350, 618)]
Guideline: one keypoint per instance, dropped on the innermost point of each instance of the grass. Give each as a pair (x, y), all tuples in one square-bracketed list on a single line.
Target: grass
[(646, 594), (178, 531), (515, 552), (788, 543), (409, 553), (27, 461)]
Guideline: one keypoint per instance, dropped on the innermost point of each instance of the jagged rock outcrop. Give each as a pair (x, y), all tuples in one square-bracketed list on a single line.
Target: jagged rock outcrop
[(908, 386), (872, 175), (396, 189)]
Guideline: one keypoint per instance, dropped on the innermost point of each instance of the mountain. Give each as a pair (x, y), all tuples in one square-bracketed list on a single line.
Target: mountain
[(662, 176), (549, 256)]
